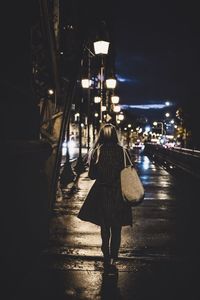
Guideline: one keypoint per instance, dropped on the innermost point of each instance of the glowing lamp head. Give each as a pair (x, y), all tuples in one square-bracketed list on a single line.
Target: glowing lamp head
[(111, 83), (86, 83), (97, 99), (50, 91), (101, 47), (115, 99), (117, 108), (121, 117)]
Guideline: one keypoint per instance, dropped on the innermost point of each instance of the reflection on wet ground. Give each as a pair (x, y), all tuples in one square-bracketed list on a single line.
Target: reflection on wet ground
[(159, 255)]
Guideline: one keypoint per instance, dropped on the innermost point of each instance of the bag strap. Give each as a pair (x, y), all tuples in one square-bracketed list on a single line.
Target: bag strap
[(125, 158)]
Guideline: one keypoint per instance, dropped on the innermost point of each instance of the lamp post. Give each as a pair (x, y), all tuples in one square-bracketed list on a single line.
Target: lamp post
[(80, 166), (101, 48)]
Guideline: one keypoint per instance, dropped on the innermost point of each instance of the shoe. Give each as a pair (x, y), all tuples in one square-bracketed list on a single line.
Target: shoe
[(113, 267)]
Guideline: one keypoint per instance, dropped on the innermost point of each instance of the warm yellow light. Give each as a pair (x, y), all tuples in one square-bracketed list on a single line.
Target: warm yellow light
[(50, 92), (96, 115), (155, 123), (121, 117), (111, 83), (103, 108), (101, 47), (117, 108), (86, 83), (115, 99), (129, 125), (97, 99)]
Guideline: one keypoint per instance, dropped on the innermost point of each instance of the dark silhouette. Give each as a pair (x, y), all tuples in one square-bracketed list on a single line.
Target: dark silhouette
[(104, 205)]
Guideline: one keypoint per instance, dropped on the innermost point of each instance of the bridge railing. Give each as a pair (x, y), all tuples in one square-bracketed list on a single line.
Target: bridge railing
[(186, 159)]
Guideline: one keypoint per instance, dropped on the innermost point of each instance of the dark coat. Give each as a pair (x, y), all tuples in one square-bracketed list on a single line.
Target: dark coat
[(104, 202)]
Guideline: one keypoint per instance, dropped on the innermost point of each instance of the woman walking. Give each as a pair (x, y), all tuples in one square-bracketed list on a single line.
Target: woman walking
[(104, 205)]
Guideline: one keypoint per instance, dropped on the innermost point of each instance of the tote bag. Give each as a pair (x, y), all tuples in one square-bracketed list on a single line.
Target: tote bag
[(131, 185)]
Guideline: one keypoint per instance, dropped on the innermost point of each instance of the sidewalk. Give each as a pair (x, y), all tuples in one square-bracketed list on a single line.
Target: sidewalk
[(149, 266)]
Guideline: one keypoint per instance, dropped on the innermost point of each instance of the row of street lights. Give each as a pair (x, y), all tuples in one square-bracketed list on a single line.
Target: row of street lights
[(104, 100), (102, 103)]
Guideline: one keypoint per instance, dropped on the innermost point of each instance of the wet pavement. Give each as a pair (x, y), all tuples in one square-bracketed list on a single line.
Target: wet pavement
[(159, 254)]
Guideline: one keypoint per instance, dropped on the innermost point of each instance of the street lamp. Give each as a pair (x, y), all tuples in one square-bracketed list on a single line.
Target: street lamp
[(101, 48), (86, 83), (97, 99), (111, 83), (116, 108), (167, 115), (114, 99)]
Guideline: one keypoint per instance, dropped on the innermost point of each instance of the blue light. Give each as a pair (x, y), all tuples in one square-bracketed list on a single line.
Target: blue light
[(147, 128), (143, 106)]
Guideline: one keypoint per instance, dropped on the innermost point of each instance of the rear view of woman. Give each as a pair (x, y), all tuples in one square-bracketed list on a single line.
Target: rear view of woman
[(104, 205)]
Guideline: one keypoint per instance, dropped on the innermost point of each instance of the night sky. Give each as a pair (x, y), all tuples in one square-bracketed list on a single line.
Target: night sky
[(157, 50), (156, 46)]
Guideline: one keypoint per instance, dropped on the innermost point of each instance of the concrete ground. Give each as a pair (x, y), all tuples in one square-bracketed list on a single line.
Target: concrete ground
[(159, 255)]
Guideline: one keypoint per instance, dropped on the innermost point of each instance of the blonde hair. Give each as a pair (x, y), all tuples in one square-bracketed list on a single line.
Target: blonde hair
[(107, 134)]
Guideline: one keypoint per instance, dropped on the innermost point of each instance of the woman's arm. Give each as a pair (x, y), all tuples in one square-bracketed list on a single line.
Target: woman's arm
[(92, 172)]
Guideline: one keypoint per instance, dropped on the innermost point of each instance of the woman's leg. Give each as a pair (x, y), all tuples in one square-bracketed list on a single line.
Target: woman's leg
[(105, 236), (115, 240)]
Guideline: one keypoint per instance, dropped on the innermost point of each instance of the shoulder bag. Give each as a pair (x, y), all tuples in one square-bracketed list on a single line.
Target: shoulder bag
[(131, 185)]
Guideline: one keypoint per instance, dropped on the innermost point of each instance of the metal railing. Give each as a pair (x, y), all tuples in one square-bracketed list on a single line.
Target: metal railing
[(187, 160)]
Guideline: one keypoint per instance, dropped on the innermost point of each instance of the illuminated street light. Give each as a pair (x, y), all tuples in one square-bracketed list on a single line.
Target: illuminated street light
[(101, 47), (97, 99), (167, 115), (86, 83), (50, 91), (121, 116), (115, 99), (117, 108), (111, 83)]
